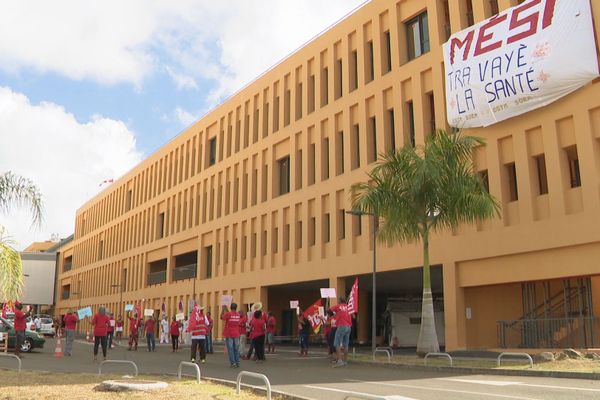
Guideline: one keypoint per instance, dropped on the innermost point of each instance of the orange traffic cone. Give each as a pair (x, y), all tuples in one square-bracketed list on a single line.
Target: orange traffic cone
[(58, 351)]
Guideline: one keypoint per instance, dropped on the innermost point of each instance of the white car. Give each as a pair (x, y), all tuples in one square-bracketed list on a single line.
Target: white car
[(47, 328)]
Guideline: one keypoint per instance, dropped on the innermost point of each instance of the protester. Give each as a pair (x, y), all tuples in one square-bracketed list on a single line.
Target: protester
[(243, 328), (164, 331), (304, 333), (38, 324), (134, 328), (209, 338), (119, 329), (174, 330), (271, 328), (342, 334), (198, 328), (20, 325), (257, 334), (100, 321), (70, 326), (184, 333), (231, 333), (329, 331), (150, 339), (111, 330)]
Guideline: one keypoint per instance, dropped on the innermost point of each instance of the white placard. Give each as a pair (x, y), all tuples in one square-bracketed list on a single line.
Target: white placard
[(112, 323), (148, 312), (522, 59), (328, 293), (226, 300), (294, 303), (179, 317)]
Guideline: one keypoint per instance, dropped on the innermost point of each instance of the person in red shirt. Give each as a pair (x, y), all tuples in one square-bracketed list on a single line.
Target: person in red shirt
[(119, 329), (150, 339), (100, 321), (134, 328), (70, 321), (111, 330), (257, 335), (174, 332), (342, 334), (231, 332), (271, 328), (20, 325)]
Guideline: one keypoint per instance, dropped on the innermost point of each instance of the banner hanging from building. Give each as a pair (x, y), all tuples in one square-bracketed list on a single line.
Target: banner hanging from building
[(522, 59)]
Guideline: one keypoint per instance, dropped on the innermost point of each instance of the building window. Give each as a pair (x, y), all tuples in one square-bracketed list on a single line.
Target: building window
[(341, 224), (573, 159), (66, 292), (212, 151), (325, 159), (67, 264), (312, 223), (431, 101), (324, 86), (411, 124), (284, 175), (353, 70), (160, 226), (494, 9), (339, 153), (286, 237), (128, 201), (483, 175), (387, 52), (326, 228), (275, 240), (338, 79), (391, 131), (355, 147), (540, 165), (511, 173), (372, 141), (418, 36), (370, 67), (470, 17), (101, 250)]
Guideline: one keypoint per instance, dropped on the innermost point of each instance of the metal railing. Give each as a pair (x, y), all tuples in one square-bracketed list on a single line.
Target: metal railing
[(380, 350), (514, 355), (253, 375), (577, 332), (13, 356), (445, 355), (184, 272), (189, 364), (117, 362), (154, 278)]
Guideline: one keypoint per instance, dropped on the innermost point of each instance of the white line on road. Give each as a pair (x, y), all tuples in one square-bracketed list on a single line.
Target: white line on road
[(508, 383), (503, 396), (367, 395)]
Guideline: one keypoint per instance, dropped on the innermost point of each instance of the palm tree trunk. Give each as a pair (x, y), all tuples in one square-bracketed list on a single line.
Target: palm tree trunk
[(427, 342)]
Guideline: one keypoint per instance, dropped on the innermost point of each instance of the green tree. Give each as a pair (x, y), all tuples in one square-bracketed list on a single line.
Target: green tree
[(420, 190), (15, 191)]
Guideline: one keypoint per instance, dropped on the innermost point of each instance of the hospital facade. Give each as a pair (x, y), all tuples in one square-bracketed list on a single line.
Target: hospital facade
[(252, 199)]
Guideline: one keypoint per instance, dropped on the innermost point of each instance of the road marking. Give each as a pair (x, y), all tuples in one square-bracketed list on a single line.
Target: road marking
[(482, 382), (508, 383), (367, 395), (503, 396)]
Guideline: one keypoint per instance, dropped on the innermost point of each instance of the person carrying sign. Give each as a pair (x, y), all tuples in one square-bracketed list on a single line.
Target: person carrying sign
[(134, 327), (342, 334)]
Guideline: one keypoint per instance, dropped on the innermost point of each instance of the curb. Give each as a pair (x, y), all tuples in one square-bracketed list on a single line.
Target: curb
[(256, 389), (487, 371)]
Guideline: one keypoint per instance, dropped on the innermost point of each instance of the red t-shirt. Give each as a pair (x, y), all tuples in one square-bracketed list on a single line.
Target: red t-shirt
[(150, 326), (271, 325), (119, 323), (70, 321), (342, 317), (20, 322), (175, 328), (100, 323), (210, 324), (243, 322), (134, 325), (111, 328), (232, 324), (257, 327)]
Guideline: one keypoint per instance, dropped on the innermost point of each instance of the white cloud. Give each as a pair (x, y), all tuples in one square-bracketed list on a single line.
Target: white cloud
[(229, 42), (184, 117), (66, 158)]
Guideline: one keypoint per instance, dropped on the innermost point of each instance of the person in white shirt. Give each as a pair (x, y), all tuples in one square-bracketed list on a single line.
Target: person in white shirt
[(38, 323), (184, 333), (164, 336)]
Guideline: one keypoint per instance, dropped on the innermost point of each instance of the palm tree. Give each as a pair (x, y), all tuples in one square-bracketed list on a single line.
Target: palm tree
[(420, 190), (15, 191)]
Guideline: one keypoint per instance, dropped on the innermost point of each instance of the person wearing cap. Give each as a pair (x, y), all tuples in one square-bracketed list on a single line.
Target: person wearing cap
[(231, 333), (100, 321), (198, 328), (70, 325), (20, 325), (257, 334)]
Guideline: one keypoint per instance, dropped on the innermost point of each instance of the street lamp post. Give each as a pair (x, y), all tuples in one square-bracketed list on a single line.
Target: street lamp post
[(359, 213), (120, 286)]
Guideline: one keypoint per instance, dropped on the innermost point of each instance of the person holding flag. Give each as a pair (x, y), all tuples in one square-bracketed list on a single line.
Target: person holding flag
[(198, 328), (342, 335)]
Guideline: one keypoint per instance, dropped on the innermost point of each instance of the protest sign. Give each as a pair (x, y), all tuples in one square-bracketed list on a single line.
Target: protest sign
[(128, 307), (148, 312), (226, 300), (294, 303), (84, 312)]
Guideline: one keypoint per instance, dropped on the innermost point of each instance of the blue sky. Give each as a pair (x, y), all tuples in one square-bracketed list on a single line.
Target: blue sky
[(87, 90)]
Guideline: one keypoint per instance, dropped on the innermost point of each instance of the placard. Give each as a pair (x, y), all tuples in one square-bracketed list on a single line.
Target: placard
[(148, 312), (226, 300), (179, 317), (112, 323), (128, 307), (322, 311), (294, 303), (84, 312), (519, 60), (1, 336), (328, 293)]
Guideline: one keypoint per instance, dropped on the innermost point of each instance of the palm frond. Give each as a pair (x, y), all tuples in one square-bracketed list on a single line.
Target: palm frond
[(18, 191), (11, 269)]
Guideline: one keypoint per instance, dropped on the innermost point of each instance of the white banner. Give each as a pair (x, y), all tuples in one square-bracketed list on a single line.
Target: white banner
[(522, 59)]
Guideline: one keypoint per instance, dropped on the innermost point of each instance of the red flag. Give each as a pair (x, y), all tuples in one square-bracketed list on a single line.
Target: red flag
[(353, 298), (6, 309), (138, 310), (314, 316)]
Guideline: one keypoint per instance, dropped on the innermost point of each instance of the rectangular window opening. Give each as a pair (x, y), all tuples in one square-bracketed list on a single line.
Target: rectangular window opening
[(418, 36)]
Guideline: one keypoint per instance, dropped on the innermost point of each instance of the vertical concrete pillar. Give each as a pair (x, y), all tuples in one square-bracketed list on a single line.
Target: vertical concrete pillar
[(364, 316), (454, 309)]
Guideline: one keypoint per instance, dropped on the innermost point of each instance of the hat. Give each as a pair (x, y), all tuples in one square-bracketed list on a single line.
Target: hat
[(256, 306)]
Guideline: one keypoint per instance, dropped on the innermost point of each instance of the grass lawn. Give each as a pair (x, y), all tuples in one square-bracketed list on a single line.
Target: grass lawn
[(567, 365), (28, 385)]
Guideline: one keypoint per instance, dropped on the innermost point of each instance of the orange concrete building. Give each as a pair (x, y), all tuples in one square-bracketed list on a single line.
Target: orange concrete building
[(251, 200)]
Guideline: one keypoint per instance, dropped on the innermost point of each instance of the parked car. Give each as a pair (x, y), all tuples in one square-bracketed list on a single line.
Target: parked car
[(33, 340), (47, 328)]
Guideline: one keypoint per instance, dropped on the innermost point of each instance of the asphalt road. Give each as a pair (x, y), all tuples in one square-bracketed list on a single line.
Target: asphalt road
[(313, 377)]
